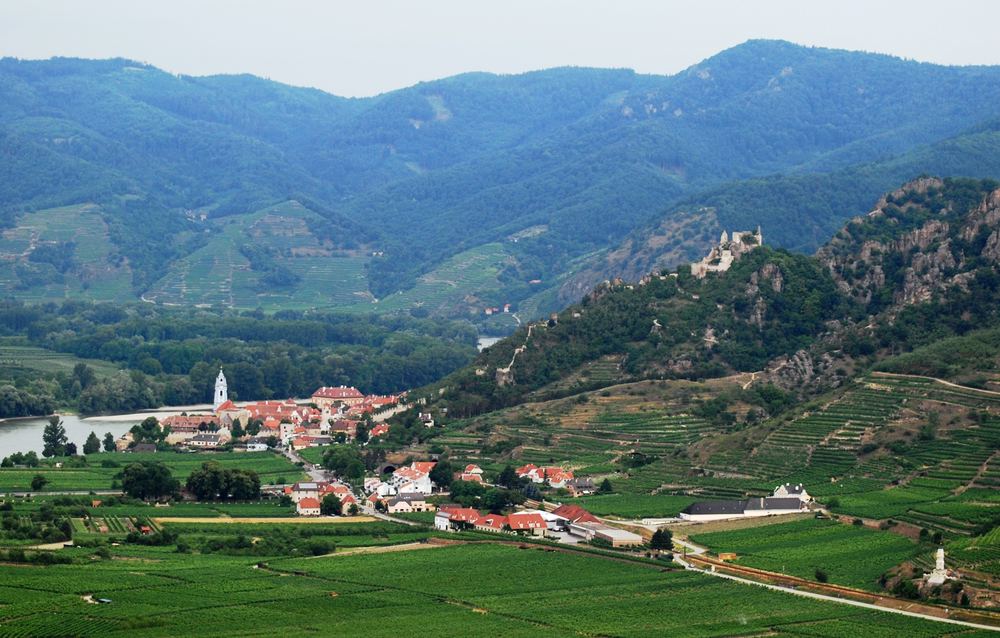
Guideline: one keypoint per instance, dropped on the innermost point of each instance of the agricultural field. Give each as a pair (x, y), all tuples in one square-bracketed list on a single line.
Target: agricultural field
[(219, 273), (16, 356), (94, 269), (446, 287), (101, 469), (635, 505), (592, 432), (474, 590), (850, 555)]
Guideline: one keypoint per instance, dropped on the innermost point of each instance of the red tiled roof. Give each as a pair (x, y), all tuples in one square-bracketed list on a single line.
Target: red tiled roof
[(526, 521), (424, 467), (575, 514), (338, 393), (463, 515), (496, 521), (472, 478), (308, 503)]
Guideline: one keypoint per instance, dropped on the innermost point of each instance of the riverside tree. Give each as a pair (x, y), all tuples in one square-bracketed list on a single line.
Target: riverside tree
[(54, 438), (92, 445)]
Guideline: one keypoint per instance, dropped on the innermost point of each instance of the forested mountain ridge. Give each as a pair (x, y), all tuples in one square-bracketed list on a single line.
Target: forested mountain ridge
[(525, 177), (923, 266)]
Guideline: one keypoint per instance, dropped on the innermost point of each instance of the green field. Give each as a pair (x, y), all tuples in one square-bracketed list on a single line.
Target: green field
[(471, 590), (269, 466), (17, 356), (97, 272), (635, 505), (850, 555), (218, 273), (447, 285)]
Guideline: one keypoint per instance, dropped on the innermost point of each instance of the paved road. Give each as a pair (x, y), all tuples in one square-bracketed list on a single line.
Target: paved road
[(314, 474), (824, 597)]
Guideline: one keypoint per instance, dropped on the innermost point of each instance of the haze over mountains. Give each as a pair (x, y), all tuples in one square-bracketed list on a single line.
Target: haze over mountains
[(121, 181)]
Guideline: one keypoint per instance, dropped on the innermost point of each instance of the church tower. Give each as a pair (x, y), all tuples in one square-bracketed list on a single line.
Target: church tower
[(221, 391)]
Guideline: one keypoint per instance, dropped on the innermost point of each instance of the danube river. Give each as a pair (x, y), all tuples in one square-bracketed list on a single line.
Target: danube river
[(23, 435)]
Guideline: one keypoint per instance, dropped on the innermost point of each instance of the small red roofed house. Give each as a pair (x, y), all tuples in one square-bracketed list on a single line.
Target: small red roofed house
[(530, 471), (491, 523), (308, 506), (472, 468), (463, 517), (556, 476), (379, 430), (471, 478), (532, 524)]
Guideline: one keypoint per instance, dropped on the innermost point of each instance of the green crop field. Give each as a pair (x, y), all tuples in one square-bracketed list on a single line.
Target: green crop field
[(470, 590), (850, 555), (17, 356), (271, 468), (635, 505)]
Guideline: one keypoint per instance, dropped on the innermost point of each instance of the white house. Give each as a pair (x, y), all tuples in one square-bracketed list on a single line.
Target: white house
[(792, 491), (760, 506), (308, 507)]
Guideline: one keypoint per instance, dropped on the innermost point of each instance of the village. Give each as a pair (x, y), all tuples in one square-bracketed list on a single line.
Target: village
[(331, 415)]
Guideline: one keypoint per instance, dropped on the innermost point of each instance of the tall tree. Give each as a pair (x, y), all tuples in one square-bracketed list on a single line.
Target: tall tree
[(54, 438), (148, 480), (662, 539), (109, 442), (92, 445), (331, 506), (442, 474)]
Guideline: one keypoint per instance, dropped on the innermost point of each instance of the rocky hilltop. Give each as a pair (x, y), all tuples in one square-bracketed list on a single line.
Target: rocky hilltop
[(922, 265)]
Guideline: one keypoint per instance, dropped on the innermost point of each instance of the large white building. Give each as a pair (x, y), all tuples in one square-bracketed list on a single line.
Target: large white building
[(787, 499)]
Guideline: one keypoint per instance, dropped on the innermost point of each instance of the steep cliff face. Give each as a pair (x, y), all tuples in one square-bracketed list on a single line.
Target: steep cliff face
[(919, 242)]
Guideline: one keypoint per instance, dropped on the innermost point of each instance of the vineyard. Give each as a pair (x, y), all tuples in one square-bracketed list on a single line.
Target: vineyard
[(459, 590), (849, 555)]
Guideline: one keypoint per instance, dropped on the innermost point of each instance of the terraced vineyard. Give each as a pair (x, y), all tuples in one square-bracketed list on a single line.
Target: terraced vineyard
[(218, 273), (449, 284), (96, 271), (823, 443)]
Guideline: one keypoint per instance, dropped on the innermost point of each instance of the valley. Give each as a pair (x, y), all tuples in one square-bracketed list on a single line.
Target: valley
[(713, 353)]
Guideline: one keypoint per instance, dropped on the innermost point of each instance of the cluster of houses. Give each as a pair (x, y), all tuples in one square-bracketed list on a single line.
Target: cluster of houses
[(556, 477), (571, 520), (308, 496), (331, 415), (786, 499)]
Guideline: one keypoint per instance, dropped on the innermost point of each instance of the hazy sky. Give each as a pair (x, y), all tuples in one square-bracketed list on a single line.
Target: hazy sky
[(366, 47)]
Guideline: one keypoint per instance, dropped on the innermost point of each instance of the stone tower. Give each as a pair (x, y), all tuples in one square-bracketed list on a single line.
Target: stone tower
[(221, 391)]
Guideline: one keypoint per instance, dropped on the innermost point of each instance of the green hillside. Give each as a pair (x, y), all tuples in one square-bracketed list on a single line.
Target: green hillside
[(549, 168)]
